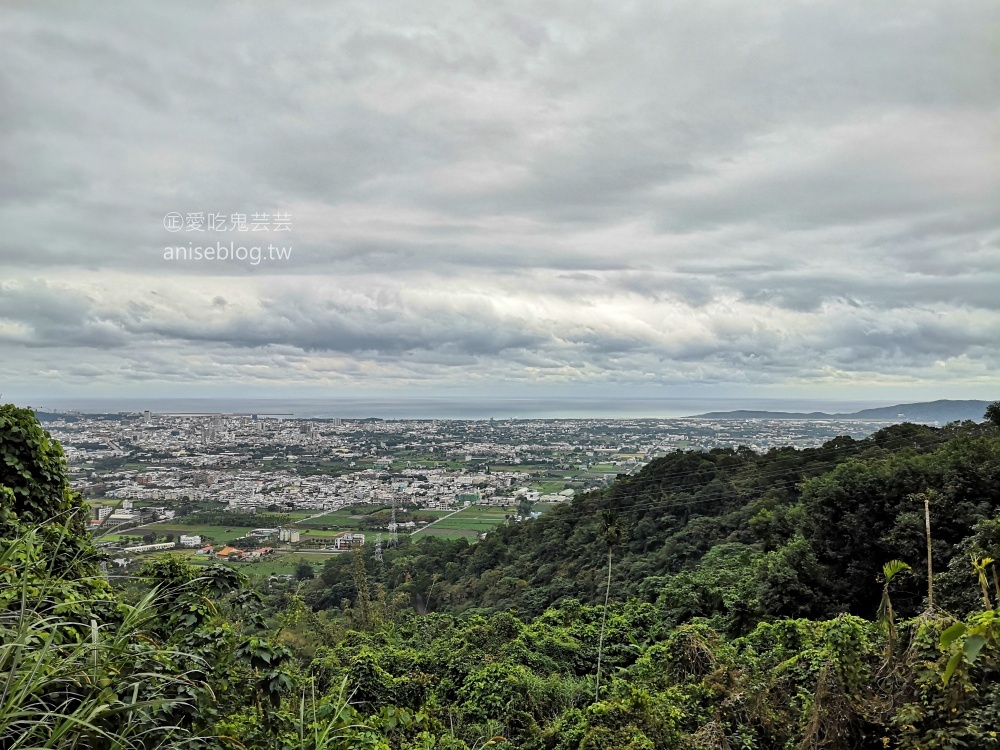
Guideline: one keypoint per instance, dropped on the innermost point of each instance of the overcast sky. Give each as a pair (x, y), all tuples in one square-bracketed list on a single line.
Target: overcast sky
[(503, 198)]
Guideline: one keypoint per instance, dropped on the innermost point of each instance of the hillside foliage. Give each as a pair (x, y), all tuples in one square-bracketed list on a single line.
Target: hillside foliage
[(755, 602)]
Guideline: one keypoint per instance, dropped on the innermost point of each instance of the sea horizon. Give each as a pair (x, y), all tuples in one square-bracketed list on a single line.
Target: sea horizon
[(459, 408)]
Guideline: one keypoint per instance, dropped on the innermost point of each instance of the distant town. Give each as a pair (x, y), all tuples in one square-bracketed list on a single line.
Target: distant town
[(253, 487)]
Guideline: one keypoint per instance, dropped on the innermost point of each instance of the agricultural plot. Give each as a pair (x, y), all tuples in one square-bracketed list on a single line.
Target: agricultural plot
[(337, 522), (542, 507), (473, 519), (217, 533), (282, 565), (343, 517), (300, 515), (306, 534), (469, 523), (279, 564), (451, 533), (112, 537), (95, 502), (549, 488)]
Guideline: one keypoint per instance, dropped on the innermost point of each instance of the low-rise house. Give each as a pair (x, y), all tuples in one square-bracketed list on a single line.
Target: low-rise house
[(349, 540), (150, 547)]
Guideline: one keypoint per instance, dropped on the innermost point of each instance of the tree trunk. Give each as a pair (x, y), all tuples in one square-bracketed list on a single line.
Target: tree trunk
[(930, 567), (604, 618)]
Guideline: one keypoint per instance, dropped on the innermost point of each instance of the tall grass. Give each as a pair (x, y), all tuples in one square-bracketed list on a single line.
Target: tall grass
[(77, 668), (80, 669)]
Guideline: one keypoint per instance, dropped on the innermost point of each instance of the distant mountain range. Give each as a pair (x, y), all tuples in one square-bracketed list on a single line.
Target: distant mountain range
[(941, 411)]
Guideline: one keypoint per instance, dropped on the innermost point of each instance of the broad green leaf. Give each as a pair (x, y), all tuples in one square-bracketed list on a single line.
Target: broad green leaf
[(953, 633), (973, 645), (953, 663)]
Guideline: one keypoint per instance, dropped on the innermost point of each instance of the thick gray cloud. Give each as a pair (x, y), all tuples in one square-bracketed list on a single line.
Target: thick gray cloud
[(568, 194)]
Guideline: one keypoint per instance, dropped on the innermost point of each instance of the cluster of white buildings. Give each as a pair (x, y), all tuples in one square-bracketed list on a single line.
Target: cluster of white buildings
[(252, 490), (249, 463)]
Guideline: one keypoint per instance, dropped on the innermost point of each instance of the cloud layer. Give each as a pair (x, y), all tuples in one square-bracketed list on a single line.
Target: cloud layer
[(514, 195)]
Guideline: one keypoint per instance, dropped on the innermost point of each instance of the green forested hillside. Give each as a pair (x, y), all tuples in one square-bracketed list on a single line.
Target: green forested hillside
[(732, 536), (754, 602)]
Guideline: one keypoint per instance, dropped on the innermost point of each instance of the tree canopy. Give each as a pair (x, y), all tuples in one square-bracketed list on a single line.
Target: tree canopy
[(769, 601)]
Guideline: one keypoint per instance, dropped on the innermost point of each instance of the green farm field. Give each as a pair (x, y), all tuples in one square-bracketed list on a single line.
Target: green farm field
[(218, 533), (450, 533), (474, 524), (548, 488), (279, 564), (340, 518), (542, 507), (299, 515), (321, 533), (473, 520), (343, 517)]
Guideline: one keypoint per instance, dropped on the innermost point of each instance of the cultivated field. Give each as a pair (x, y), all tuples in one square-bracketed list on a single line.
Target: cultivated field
[(469, 522), (277, 564), (435, 531), (217, 533), (343, 517)]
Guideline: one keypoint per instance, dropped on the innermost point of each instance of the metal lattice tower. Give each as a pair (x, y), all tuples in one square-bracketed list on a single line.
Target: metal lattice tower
[(393, 540), (378, 547)]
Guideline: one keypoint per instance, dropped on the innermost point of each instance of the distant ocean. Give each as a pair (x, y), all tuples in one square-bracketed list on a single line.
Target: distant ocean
[(450, 408)]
